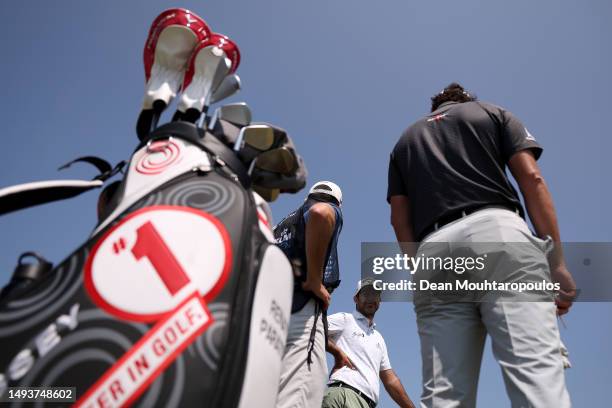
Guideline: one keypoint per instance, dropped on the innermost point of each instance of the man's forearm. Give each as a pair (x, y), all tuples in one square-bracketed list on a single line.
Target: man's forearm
[(543, 217), (540, 208), (402, 224), (538, 199), (332, 348), (398, 393), (319, 230), (542, 213)]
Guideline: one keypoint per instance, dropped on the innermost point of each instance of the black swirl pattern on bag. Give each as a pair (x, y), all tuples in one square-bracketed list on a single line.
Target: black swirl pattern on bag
[(24, 313), (207, 195), (208, 345)]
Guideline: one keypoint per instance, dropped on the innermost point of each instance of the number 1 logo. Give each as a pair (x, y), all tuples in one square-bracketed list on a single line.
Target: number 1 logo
[(154, 258), (149, 244)]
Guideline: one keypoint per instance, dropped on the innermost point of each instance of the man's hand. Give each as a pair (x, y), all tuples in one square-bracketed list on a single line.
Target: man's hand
[(567, 293), (342, 360), (319, 291)]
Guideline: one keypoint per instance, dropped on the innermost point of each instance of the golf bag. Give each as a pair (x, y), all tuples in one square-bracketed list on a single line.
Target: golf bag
[(179, 297)]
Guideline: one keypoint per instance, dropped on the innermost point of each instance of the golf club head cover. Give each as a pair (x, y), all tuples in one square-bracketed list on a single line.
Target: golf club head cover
[(229, 47), (212, 60), (172, 39)]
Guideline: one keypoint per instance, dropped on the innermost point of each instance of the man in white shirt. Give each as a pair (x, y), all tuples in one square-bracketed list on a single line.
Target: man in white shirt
[(361, 357)]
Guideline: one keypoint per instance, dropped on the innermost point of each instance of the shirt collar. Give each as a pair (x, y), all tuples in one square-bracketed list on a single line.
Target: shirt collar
[(359, 316), (447, 103)]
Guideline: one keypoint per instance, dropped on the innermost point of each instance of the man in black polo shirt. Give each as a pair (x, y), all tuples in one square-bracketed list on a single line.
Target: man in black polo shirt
[(448, 184)]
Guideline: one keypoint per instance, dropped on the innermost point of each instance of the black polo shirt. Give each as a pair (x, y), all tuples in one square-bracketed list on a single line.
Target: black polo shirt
[(455, 158)]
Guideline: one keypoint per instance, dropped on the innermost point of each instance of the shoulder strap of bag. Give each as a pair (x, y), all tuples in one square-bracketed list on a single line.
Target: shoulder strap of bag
[(41, 192)]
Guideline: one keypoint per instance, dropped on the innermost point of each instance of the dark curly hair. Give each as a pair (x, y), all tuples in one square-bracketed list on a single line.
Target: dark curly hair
[(453, 92)]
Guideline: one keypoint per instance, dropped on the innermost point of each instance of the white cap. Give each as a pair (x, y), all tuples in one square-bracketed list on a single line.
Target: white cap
[(327, 187), (363, 283)]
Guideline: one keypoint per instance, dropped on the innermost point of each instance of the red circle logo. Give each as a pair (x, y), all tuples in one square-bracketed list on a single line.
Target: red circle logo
[(155, 258), (158, 157)]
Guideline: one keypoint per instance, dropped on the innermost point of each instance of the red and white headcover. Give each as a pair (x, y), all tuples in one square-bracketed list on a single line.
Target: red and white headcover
[(171, 41), (223, 42)]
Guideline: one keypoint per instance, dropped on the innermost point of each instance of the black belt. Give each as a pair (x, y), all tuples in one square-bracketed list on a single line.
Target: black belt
[(455, 215), (340, 384)]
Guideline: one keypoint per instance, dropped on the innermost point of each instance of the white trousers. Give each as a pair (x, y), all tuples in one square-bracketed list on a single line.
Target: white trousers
[(524, 335), (301, 386)]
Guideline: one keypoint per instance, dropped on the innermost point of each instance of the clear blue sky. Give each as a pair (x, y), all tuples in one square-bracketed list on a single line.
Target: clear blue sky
[(345, 77)]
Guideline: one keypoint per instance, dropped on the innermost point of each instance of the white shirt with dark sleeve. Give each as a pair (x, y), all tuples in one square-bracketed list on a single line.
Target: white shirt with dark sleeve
[(366, 348)]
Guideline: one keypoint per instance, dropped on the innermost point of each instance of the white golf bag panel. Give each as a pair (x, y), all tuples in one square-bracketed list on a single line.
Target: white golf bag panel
[(264, 215), (165, 304), (155, 164), (269, 326)]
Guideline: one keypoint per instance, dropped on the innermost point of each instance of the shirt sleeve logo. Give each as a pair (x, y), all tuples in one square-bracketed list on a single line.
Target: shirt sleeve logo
[(529, 136), (437, 118)]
